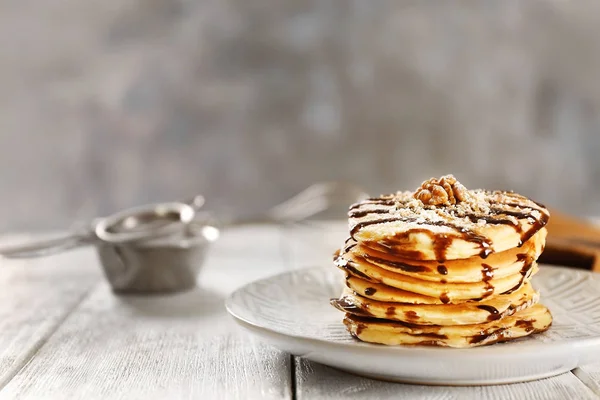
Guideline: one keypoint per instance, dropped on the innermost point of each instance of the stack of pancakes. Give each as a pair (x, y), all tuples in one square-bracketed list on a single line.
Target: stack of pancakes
[(443, 266)]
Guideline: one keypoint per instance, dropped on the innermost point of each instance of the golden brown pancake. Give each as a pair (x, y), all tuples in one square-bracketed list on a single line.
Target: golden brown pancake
[(472, 269), (525, 322), (381, 292), (446, 292), (483, 223), (468, 313)]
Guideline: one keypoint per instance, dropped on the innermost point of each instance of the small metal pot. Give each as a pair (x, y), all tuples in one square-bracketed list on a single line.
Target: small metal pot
[(157, 266), (157, 248), (153, 249)]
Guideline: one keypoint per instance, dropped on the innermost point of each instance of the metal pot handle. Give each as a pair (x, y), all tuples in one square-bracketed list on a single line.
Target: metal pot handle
[(48, 247)]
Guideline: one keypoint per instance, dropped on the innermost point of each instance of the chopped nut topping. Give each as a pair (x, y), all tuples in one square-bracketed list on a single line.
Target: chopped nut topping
[(445, 191), (443, 201)]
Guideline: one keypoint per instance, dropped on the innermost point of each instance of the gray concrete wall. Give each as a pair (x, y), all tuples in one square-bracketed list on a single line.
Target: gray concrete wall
[(105, 104)]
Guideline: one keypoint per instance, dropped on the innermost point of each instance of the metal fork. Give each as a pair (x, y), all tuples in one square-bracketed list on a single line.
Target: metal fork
[(315, 199)]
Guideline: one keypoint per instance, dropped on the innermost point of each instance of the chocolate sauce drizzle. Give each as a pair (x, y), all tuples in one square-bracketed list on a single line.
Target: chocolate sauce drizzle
[(384, 201), (537, 225), (364, 320), (440, 245), (360, 328), (521, 257), (343, 304), (483, 336), (363, 224), (427, 342), (493, 221), (396, 264), (390, 247), (487, 272), (444, 298), (360, 214), (488, 290), (527, 265), (411, 315), (350, 247), (524, 324), (494, 313), (370, 291), (442, 270), (354, 271)]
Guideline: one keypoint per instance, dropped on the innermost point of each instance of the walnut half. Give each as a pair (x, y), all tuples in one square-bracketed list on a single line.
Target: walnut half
[(444, 191)]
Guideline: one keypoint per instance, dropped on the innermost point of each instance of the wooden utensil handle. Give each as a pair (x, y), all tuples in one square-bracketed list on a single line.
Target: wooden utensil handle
[(561, 251)]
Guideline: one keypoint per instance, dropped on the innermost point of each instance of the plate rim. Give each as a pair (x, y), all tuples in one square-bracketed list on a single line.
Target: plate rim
[(411, 381), (406, 350)]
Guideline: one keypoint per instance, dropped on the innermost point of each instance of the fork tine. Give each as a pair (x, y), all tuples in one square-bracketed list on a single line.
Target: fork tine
[(314, 199)]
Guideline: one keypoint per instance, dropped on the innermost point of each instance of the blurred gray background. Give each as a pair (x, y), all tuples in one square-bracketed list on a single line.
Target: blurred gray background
[(106, 104)]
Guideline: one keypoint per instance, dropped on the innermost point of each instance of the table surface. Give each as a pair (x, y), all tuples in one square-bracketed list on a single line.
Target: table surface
[(64, 334)]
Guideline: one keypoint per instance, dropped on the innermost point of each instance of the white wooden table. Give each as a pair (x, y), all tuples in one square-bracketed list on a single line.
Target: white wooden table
[(65, 335)]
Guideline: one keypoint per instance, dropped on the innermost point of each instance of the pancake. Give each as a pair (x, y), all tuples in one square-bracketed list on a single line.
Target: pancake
[(443, 266), (381, 292), (446, 292), (467, 313), (525, 322), (473, 269), (480, 224)]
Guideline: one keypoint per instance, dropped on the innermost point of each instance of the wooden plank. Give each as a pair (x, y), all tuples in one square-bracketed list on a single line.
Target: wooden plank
[(177, 346), (315, 381), (35, 297), (590, 376)]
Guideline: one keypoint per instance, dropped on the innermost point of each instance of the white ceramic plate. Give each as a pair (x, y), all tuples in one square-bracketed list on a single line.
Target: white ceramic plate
[(291, 311)]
